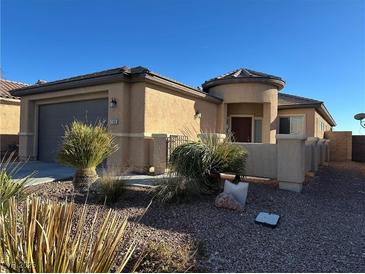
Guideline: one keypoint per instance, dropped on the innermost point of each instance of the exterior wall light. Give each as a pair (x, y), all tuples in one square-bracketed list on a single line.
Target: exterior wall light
[(113, 103), (197, 115), (361, 118)]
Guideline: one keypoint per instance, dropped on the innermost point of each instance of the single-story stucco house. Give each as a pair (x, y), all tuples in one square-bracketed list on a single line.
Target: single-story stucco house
[(9, 116), (139, 104)]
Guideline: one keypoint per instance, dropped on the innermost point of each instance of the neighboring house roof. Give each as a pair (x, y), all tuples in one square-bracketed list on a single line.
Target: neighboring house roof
[(6, 86), (288, 101), (244, 75), (135, 74)]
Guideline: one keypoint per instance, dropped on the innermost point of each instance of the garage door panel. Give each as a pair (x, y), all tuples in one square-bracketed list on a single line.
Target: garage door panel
[(53, 118)]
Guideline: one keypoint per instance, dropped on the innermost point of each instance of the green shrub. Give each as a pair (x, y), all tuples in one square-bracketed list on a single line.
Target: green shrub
[(44, 237), (84, 146), (196, 161), (9, 187)]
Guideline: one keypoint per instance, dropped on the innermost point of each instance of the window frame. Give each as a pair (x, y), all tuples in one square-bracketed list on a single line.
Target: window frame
[(292, 115), (254, 129)]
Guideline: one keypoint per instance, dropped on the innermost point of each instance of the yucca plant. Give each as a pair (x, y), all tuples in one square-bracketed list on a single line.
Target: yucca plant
[(196, 161), (10, 187), (84, 147), (44, 237)]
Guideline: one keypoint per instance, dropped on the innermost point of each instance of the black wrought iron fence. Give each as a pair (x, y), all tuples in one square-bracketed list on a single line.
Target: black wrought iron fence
[(173, 141)]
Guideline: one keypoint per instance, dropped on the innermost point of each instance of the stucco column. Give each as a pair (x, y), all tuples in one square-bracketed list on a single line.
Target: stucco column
[(291, 162), (314, 155), (322, 151), (270, 113), (327, 151), (158, 153), (222, 118), (27, 131)]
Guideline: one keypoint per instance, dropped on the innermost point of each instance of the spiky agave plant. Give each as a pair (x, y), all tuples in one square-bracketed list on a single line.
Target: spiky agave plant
[(197, 160), (84, 147), (43, 238), (10, 187)]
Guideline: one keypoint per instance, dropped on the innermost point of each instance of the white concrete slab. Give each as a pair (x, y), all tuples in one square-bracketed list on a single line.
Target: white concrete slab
[(43, 172), (267, 219)]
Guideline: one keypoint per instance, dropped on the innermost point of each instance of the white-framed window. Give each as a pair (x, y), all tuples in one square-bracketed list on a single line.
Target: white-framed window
[(323, 127), (258, 130), (291, 124)]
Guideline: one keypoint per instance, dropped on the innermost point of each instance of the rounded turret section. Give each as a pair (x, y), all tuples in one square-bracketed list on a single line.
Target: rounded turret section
[(245, 86)]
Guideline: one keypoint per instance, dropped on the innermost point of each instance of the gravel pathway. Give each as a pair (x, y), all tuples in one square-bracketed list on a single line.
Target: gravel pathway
[(321, 230)]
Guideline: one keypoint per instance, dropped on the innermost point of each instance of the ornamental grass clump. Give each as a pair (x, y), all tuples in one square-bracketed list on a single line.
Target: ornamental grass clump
[(196, 161), (84, 147), (45, 237), (10, 187)]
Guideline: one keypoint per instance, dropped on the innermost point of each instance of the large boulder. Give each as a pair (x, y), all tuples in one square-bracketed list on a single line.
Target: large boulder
[(226, 200)]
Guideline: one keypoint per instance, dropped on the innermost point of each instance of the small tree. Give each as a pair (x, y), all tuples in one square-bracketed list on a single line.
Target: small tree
[(84, 147)]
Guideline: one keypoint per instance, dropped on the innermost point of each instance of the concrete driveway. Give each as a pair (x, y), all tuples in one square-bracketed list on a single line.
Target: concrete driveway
[(43, 172), (49, 172)]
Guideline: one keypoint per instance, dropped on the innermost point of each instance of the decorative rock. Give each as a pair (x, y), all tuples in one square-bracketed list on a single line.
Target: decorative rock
[(226, 200), (238, 191)]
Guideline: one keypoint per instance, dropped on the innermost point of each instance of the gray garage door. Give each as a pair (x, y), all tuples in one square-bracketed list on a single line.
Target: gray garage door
[(53, 118)]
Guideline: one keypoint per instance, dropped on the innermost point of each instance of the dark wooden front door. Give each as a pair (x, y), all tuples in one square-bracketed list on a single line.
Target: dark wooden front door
[(241, 128)]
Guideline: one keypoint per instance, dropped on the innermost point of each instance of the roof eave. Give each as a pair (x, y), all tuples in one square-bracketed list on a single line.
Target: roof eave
[(11, 100), (135, 76), (179, 87), (49, 87), (320, 107), (264, 80), (329, 116)]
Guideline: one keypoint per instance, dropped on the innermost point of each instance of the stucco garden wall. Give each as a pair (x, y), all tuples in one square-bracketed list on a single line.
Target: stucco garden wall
[(340, 145)]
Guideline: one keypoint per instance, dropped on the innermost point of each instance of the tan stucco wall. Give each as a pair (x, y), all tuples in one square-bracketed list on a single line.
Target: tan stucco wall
[(9, 124), (318, 132), (254, 109), (167, 111), (264, 94), (9, 117)]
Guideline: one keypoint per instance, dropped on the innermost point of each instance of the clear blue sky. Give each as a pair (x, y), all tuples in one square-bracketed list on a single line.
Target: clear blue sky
[(317, 46)]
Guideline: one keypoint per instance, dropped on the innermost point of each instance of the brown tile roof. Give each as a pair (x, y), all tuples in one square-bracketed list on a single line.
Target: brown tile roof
[(244, 75), (6, 86), (102, 77), (292, 100), (288, 101)]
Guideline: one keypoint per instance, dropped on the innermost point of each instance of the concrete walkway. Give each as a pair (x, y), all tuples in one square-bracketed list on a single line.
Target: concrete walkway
[(43, 172)]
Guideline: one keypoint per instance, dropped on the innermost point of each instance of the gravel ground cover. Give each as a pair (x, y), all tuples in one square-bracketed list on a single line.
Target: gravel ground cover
[(321, 229)]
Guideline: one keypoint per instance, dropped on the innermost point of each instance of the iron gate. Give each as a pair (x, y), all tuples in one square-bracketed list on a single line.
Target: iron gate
[(173, 141)]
